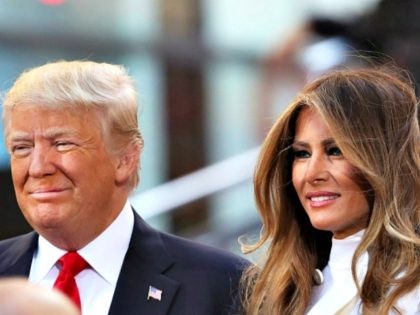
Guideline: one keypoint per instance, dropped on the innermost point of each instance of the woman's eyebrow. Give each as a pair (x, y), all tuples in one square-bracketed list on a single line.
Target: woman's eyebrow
[(328, 142), (300, 144)]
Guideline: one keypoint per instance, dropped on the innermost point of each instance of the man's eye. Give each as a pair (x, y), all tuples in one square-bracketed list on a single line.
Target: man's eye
[(301, 154), (64, 145), (21, 150), (334, 151)]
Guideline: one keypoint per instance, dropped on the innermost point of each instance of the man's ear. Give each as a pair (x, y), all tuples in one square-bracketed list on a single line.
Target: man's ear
[(127, 164)]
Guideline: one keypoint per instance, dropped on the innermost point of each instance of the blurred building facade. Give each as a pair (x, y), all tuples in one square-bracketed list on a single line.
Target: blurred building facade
[(198, 68)]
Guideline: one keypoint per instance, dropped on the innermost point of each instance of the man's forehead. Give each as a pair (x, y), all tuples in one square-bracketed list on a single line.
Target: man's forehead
[(65, 109), (51, 132), (32, 121)]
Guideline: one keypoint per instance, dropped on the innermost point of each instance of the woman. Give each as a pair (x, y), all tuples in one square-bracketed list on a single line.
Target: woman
[(338, 189)]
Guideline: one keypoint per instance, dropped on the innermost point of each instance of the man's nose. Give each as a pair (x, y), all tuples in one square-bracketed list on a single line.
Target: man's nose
[(41, 161)]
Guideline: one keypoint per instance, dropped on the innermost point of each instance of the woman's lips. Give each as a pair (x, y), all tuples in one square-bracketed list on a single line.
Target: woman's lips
[(321, 198)]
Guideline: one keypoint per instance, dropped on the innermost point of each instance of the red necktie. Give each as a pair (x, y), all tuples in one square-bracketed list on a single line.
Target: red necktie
[(71, 264)]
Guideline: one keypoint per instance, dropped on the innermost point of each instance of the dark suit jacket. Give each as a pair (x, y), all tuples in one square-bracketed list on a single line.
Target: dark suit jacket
[(194, 279)]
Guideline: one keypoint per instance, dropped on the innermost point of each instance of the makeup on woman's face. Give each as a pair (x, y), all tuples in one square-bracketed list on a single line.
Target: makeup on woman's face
[(324, 180)]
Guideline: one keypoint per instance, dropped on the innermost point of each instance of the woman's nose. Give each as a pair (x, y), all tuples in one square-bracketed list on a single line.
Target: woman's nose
[(318, 169)]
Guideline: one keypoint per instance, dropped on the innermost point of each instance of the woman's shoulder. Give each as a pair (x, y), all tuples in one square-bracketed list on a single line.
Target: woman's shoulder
[(409, 303)]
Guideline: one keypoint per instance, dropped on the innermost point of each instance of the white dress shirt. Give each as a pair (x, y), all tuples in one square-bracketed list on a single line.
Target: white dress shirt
[(339, 287), (105, 254)]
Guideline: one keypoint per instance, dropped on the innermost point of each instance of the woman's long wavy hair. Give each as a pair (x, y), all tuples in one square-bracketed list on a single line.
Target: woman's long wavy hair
[(373, 115)]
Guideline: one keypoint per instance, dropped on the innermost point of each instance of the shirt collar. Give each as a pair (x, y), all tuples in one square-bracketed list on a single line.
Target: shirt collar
[(44, 259), (342, 250), (114, 240)]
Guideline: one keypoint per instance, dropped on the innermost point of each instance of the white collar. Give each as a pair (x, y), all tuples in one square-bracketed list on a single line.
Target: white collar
[(342, 250), (105, 254)]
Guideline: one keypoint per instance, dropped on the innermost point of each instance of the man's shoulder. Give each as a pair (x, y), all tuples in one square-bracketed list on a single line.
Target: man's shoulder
[(16, 254), (183, 252), (24, 239), (192, 253)]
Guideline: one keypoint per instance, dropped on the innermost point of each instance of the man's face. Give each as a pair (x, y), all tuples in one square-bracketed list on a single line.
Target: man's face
[(63, 175)]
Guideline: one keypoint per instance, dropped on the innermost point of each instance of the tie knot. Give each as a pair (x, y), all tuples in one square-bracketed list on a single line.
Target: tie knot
[(72, 263)]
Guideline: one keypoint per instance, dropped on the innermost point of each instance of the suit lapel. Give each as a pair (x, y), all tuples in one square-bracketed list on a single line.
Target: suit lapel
[(144, 265), (17, 258)]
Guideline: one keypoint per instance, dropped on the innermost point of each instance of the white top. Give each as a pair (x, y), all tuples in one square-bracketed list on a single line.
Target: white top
[(105, 254), (339, 287)]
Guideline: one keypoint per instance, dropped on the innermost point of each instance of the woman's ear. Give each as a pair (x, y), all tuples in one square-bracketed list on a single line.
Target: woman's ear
[(127, 164)]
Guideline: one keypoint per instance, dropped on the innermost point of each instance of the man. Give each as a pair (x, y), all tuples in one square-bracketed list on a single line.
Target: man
[(72, 133), (20, 297)]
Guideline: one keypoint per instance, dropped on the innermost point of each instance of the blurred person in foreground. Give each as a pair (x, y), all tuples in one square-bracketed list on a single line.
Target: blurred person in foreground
[(72, 133), (337, 186), (20, 297)]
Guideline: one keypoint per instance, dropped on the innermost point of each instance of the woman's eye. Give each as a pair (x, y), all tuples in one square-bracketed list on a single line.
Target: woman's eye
[(334, 151), (301, 154)]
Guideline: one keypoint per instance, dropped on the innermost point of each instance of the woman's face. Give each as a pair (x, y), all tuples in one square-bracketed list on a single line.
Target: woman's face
[(324, 180)]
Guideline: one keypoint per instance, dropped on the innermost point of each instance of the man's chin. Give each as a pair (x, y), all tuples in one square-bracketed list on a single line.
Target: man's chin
[(50, 220)]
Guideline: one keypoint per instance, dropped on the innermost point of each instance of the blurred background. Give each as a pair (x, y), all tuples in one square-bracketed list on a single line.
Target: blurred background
[(212, 76)]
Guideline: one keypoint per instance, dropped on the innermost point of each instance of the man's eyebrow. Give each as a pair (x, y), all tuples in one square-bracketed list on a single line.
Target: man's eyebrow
[(18, 136), (49, 134), (58, 132)]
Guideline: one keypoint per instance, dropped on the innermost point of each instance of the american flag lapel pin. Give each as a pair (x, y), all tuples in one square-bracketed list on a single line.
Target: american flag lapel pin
[(154, 293)]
